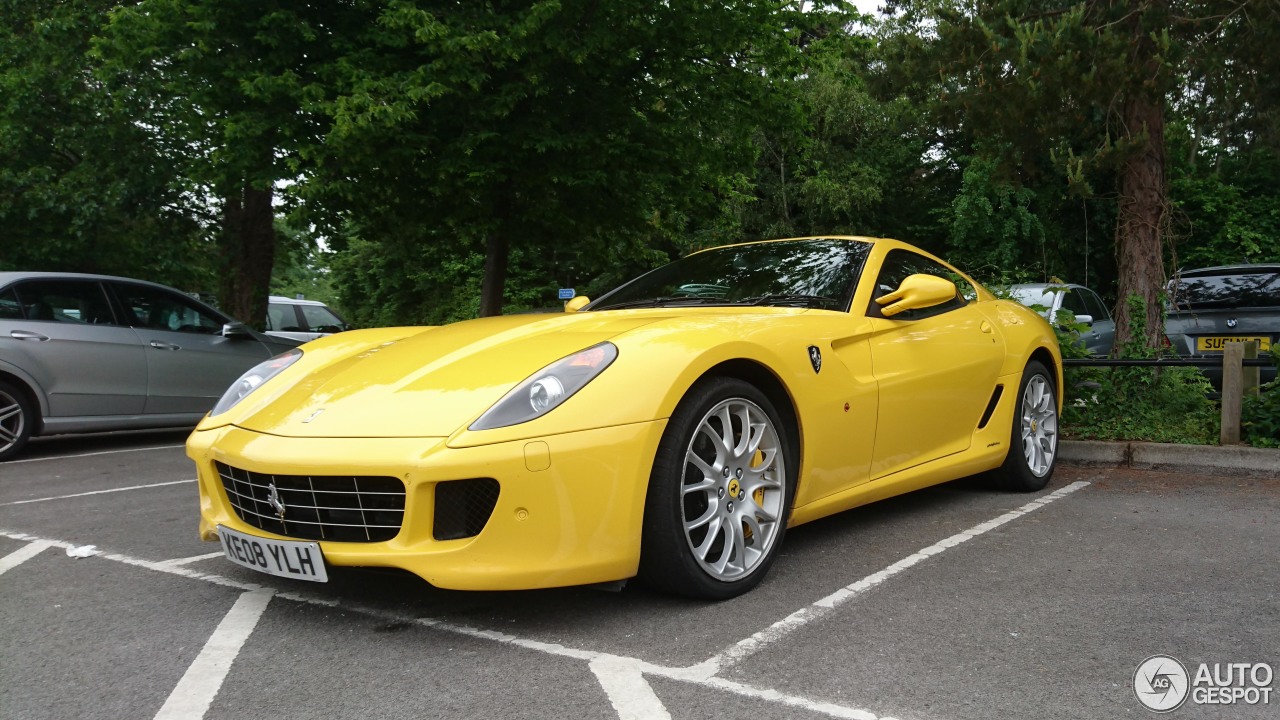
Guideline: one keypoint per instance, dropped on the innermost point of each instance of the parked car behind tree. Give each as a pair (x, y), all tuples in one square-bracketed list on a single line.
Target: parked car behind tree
[(1209, 307), (1084, 305)]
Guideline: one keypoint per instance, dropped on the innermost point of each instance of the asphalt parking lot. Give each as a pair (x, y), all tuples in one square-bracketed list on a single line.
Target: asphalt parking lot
[(950, 603)]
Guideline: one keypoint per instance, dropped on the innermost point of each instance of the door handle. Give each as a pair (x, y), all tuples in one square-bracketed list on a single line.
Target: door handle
[(164, 345), (28, 335)]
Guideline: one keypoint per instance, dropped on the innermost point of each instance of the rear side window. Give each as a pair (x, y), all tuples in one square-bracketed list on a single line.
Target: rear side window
[(1228, 290), (76, 302), (282, 318), (318, 316), (9, 307)]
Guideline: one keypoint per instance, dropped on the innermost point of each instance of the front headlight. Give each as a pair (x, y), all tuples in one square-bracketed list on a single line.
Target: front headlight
[(254, 379), (544, 390)]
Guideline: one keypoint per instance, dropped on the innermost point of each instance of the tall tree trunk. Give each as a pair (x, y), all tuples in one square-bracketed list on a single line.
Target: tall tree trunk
[(1140, 225), (497, 248), (248, 245)]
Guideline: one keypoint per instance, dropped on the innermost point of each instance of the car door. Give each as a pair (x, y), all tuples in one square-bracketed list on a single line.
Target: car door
[(1102, 331), (189, 363), (935, 369), (67, 339)]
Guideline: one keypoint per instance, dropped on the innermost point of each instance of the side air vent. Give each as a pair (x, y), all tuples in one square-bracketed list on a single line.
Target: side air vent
[(463, 507), (991, 406)]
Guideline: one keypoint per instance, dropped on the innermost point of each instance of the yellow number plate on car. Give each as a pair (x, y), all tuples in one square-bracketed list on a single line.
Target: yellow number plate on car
[(1220, 343)]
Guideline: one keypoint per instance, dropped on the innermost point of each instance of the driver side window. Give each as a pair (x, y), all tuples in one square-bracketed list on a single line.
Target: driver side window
[(898, 265)]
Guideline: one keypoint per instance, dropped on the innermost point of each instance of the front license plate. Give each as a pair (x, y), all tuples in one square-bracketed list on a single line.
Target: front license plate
[(1218, 344), (286, 558)]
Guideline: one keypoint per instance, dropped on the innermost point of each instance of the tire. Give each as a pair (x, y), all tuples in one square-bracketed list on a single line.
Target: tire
[(718, 503), (17, 420), (1033, 442)]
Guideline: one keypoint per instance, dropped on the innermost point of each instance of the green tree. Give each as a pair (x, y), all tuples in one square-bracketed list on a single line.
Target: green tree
[(83, 186), (543, 125), (1089, 85), (231, 84)]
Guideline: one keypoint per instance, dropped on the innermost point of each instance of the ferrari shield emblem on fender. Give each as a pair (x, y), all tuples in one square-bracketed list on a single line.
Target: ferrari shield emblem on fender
[(815, 358)]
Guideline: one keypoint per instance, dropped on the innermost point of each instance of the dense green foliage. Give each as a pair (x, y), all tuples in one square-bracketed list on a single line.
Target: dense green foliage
[(1260, 416), (417, 161), (1139, 403)]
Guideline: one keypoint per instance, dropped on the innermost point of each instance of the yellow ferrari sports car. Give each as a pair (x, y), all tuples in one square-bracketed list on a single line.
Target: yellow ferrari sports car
[(673, 429)]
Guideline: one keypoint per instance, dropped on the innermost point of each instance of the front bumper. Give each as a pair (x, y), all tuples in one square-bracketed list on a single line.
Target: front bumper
[(569, 512)]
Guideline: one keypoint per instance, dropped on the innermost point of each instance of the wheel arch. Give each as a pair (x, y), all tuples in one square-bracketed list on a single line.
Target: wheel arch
[(1047, 358), (764, 379), (24, 386)]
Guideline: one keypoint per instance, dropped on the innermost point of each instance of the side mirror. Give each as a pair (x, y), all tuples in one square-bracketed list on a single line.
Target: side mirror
[(577, 303), (916, 292), (1084, 319), (235, 331)]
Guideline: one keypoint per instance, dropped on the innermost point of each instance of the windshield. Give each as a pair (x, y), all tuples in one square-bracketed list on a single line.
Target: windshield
[(809, 273), (1228, 290)]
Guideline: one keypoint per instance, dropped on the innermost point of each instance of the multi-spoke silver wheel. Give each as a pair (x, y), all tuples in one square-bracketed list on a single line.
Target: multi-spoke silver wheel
[(720, 493), (734, 489), (1033, 437), (15, 421), (1039, 425)]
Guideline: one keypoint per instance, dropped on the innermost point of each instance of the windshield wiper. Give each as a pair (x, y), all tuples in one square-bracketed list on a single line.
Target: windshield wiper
[(789, 299)]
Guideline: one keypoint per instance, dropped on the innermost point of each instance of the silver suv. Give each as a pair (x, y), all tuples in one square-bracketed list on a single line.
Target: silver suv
[(300, 319), (1210, 307)]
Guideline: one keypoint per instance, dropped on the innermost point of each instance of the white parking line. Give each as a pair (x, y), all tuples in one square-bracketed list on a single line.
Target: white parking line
[(822, 607), (188, 560), (630, 695), (21, 555), (97, 492), (621, 678), (191, 699), (92, 454)]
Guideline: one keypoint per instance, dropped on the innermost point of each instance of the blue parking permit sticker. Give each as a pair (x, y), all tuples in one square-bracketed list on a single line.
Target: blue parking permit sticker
[(566, 293)]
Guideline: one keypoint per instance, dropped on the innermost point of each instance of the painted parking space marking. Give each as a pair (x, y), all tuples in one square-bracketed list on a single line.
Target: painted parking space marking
[(22, 554), (188, 560), (622, 678), (93, 454), (623, 681), (820, 608), (97, 492), (195, 692)]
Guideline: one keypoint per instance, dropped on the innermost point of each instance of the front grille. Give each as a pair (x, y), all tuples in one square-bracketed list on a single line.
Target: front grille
[(340, 508), (463, 507)]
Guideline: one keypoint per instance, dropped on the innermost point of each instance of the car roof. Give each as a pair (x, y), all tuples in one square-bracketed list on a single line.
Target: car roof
[(1038, 286), (14, 276), (1231, 269), (292, 301)]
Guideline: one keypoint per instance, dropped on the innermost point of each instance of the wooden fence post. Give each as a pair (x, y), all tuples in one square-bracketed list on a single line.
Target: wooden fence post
[(1252, 375), (1232, 392)]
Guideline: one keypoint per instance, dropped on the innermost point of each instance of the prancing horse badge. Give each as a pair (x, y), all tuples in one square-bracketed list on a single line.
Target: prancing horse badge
[(815, 358)]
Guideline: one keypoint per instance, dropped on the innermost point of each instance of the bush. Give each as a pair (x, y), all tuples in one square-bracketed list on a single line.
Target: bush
[(1140, 403), (1260, 416)]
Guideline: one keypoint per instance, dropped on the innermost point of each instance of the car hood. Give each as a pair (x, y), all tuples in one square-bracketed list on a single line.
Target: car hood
[(430, 383)]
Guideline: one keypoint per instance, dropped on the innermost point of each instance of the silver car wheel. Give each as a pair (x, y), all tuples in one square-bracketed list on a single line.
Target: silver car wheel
[(733, 489), (1039, 425), (13, 422)]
